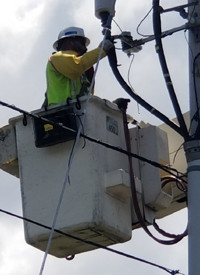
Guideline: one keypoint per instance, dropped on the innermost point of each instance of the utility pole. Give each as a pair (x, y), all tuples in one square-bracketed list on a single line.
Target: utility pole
[(192, 147)]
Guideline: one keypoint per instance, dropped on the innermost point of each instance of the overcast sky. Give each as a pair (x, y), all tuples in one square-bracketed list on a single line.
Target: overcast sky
[(28, 29)]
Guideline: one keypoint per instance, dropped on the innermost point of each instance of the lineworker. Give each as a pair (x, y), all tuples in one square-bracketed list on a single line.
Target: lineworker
[(70, 70)]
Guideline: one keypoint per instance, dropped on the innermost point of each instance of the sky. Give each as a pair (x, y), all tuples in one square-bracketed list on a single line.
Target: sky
[(28, 29)]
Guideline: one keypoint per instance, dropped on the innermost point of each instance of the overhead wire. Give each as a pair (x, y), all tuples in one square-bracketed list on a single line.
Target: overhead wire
[(120, 253), (180, 7), (165, 70), (197, 117), (165, 168), (192, 58), (165, 33), (117, 24), (129, 81), (129, 70), (190, 15), (174, 238), (113, 63), (170, 179), (182, 129), (140, 23), (192, 4), (176, 152)]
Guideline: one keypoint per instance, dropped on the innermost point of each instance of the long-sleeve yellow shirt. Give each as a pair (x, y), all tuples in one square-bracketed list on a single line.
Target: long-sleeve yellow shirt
[(64, 72)]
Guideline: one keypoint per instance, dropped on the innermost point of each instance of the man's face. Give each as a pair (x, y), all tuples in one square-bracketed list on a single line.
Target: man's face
[(79, 45), (75, 43)]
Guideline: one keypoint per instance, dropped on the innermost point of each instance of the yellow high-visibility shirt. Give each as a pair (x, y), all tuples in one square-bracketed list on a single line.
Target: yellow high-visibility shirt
[(64, 72)]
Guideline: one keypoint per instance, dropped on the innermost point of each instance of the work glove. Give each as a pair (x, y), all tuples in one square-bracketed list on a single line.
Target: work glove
[(108, 45)]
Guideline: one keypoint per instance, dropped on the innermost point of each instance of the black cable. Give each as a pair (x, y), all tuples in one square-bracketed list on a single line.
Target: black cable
[(178, 8), (179, 183), (170, 271), (166, 234), (118, 149), (135, 201), (91, 139), (113, 63), (163, 63), (197, 117)]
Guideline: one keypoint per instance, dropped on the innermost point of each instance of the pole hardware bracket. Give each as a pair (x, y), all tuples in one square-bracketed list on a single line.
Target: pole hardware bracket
[(192, 150)]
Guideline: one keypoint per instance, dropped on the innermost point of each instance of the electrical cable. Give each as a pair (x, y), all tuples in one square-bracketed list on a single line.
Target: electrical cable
[(143, 19), (165, 168), (113, 63), (129, 82), (192, 57), (117, 24), (166, 234), (163, 63), (118, 149), (170, 271), (179, 8), (176, 152), (171, 179), (129, 69), (78, 134), (165, 34), (197, 118), (134, 191)]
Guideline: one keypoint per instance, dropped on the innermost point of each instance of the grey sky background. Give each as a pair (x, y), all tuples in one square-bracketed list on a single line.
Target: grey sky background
[(28, 29)]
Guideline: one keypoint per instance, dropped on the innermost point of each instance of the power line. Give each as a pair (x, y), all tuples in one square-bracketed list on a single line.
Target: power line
[(140, 23), (165, 168), (153, 163), (175, 238), (164, 67), (113, 64), (120, 253)]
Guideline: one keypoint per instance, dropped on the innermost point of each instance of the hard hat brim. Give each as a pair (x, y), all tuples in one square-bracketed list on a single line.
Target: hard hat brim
[(55, 44)]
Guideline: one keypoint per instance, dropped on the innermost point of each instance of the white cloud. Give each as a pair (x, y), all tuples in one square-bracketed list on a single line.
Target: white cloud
[(19, 28)]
